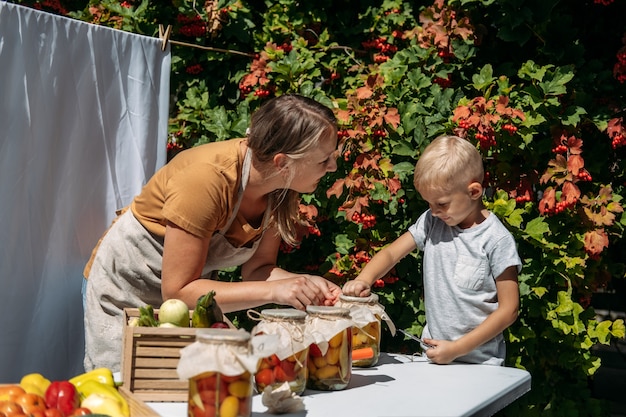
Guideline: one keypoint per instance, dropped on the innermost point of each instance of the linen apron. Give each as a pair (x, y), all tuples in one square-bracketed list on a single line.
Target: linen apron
[(126, 272)]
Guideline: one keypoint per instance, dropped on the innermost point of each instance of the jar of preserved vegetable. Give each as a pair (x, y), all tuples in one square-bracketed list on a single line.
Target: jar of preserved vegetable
[(330, 356), (220, 366), (367, 315), (289, 363)]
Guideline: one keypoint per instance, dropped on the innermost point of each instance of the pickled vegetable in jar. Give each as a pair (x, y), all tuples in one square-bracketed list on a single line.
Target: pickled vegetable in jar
[(330, 356), (289, 363), (220, 366), (367, 315)]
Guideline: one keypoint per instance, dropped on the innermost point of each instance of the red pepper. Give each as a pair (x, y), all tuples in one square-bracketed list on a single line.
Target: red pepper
[(62, 395)]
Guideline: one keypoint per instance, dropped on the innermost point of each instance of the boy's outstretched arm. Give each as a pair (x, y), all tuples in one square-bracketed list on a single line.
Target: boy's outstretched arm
[(446, 351), (379, 265)]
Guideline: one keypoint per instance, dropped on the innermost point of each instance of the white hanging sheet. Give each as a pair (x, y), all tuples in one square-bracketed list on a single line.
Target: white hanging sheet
[(83, 125)]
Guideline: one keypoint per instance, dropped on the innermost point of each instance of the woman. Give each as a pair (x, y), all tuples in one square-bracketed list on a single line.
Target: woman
[(214, 206)]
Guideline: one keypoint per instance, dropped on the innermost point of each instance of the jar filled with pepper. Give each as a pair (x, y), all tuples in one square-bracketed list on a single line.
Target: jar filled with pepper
[(367, 315), (330, 356)]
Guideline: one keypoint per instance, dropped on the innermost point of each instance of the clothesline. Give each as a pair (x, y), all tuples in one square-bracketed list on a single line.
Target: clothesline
[(164, 35)]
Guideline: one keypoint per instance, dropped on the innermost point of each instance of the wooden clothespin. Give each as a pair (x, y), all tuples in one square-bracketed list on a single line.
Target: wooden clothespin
[(164, 35)]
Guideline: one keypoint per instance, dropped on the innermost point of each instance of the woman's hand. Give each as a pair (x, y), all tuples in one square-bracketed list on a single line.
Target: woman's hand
[(300, 291)]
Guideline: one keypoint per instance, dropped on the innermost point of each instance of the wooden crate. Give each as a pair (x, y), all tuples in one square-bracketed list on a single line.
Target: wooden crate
[(149, 359)]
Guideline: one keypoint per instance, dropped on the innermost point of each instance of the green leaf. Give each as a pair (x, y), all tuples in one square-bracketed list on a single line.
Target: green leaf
[(537, 228), (484, 79)]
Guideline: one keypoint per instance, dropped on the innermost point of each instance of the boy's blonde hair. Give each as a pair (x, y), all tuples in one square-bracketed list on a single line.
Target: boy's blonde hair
[(447, 163)]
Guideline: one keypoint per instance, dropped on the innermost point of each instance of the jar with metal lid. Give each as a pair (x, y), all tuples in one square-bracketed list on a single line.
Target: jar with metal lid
[(367, 315), (330, 356), (219, 366), (289, 363)]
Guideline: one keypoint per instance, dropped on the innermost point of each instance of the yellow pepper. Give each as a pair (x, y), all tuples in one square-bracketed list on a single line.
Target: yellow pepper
[(91, 386), (35, 383), (102, 375)]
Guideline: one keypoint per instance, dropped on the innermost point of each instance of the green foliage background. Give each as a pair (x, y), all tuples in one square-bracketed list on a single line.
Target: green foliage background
[(517, 77)]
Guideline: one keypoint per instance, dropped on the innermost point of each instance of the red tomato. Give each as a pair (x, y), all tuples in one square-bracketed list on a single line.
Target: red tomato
[(289, 368), (315, 351), (37, 413), (207, 383), (31, 402), (264, 377), (273, 360), (209, 411), (81, 411), (53, 412)]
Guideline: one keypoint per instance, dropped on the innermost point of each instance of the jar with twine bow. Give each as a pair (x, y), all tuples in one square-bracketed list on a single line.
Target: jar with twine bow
[(289, 363), (330, 356), (219, 366), (367, 315)]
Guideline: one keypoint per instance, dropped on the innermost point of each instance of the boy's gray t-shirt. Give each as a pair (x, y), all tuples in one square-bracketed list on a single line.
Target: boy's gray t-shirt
[(460, 267)]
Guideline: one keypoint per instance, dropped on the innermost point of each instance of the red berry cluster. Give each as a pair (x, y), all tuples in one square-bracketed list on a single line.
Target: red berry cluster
[(379, 133), (313, 230), (126, 5), (486, 140), (192, 27), (521, 199), (385, 50), (584, 175), (560, 207), (367, 220), (445, 54), (560, 149), (443, 82), (603, 2), (341, 134), (361, 257), (263, 92), (618, 140), (194, 69), (464, 124), (510, 128)]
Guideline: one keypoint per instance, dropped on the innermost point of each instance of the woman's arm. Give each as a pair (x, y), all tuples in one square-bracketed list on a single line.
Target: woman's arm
[(184, 256), (505, 315)]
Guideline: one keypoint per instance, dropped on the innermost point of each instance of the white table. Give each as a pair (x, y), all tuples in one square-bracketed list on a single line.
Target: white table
[(405, 386)]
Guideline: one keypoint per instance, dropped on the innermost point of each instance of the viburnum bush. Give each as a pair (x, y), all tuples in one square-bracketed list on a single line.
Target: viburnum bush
[(538, 86)]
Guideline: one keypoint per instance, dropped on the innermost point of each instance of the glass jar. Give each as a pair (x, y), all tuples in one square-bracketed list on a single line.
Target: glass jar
[(215, 393), (365, 312), (330, 358), (289, 364)]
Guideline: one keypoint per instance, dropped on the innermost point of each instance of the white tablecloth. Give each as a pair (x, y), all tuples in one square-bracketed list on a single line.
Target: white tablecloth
[(405, 386)]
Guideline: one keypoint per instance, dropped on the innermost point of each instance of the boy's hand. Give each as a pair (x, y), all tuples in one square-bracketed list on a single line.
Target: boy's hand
[(356, 288), (442, 351)]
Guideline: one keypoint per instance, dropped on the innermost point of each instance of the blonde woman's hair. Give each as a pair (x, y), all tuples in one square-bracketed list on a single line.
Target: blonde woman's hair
[(292, 125), (447, 163)]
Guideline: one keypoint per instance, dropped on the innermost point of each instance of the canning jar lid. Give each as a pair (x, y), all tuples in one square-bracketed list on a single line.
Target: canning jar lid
[(328, 311), (283, 313), (370, 299), (212, 335)]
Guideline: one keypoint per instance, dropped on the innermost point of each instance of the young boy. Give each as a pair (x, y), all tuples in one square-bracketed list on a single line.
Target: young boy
[(470, 260)]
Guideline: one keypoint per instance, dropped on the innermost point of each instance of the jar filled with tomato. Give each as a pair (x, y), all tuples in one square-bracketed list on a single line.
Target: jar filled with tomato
[(219, 366), (289, 363), (330, 356)]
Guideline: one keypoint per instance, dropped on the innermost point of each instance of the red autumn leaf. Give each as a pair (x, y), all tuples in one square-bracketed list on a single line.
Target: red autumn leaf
[(548, 201), (596, 241), (602, 218), (461, 112), (308, 211), (574, 145), (575, 163), (392, 117), (364, 92), (343, 116), (336, 189), (570, 192)]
